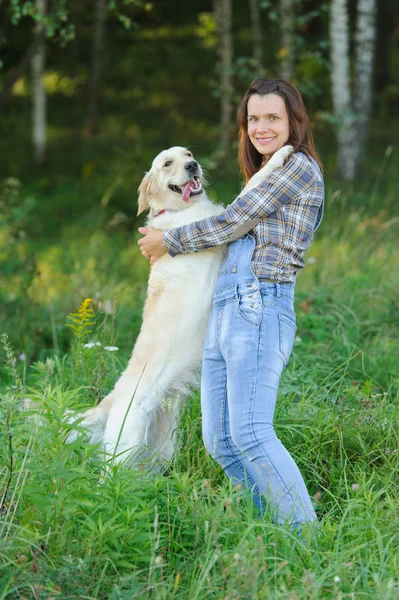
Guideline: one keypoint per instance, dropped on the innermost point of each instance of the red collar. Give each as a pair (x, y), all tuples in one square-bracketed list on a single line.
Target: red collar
[(164, 210)]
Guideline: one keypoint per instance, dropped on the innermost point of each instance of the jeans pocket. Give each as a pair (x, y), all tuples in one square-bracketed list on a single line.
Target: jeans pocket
[(287, 330), (249, 308)]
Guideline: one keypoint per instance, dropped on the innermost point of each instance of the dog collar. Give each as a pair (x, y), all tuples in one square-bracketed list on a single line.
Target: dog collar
[(164, 210), (160, 213)]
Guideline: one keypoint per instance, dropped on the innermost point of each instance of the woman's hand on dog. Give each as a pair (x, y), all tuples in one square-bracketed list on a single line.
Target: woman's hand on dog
[(151, 245)]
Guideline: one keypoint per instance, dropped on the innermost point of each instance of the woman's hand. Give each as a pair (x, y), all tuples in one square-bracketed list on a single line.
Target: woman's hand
[(151, 245)]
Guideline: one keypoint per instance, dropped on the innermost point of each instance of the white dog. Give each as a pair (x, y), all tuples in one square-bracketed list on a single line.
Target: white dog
[(138, 419)]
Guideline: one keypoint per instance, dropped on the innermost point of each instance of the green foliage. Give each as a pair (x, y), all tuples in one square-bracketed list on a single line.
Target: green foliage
[(206, 29), (16, 219), (118, 8), (55, 21)]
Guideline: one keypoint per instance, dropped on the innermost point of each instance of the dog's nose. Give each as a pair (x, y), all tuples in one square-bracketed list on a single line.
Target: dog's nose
[(191, 167)]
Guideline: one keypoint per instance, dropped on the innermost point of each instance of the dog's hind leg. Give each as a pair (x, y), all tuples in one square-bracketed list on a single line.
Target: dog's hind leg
[(133, 414), (127, 428)]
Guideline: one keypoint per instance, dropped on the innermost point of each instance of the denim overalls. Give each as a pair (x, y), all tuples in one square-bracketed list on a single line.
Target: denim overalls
[(249, 339)]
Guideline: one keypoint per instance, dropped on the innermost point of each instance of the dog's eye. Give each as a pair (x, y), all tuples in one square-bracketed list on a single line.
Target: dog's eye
[(168, 163), (189, 154)]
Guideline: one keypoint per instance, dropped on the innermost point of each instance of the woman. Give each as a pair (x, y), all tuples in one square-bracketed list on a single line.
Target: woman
[(252, 327)]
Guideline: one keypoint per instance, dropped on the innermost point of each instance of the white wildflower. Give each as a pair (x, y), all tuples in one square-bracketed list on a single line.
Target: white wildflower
[(22, 356), (91, 344), (355, 486), (111, 348), (337, 579)]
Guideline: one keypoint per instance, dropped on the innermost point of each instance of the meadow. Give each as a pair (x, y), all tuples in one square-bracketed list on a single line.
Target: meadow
[(188, 534)]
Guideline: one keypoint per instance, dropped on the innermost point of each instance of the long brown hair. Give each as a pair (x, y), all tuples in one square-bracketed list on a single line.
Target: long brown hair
[(300, 132)]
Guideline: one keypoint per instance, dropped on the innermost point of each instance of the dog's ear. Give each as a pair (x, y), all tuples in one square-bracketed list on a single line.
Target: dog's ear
[(146, 190)]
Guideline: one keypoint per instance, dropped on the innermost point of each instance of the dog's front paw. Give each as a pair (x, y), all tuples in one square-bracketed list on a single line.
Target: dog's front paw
[(92, 420)]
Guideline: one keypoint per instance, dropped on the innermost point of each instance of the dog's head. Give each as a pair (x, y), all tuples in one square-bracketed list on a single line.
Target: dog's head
[(172, 183)]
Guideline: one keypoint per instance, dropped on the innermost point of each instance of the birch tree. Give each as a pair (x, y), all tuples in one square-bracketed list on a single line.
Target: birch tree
[(222, 11), (365, 48), (287, 50), (39, 101), (352, 109), (341, 89)]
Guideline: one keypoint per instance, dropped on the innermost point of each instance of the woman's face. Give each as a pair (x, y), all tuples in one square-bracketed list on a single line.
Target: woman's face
[(268, 124)]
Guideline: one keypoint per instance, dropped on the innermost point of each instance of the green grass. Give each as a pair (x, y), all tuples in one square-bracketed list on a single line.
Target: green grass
[(68, 532)]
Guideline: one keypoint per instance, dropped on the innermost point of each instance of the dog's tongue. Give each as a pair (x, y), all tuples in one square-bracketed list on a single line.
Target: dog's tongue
[(185, 190)]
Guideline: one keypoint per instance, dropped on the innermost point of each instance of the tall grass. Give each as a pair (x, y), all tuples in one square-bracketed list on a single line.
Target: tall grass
[(67, 531)]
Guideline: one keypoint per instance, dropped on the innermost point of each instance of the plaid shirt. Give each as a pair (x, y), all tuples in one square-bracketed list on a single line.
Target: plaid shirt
[(282, 213)]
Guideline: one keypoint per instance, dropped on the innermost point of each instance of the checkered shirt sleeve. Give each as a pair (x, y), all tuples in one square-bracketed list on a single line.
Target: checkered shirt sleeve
[(292, 181)]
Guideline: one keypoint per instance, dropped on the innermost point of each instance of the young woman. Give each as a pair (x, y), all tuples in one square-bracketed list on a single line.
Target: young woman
[(252, 326)]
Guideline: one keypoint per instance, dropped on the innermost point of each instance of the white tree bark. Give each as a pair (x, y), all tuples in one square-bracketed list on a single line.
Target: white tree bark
[(222, 10), (38, 91), (341, 87), (352, 111), (256, 33), (287, 23), (365, 47)]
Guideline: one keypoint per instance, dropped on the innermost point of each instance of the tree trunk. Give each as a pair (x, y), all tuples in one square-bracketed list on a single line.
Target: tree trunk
[(341, 89), (256, 34), (365, 47), (222, 10), (287, 50), (352, 111), (38, 91), (96, 65)]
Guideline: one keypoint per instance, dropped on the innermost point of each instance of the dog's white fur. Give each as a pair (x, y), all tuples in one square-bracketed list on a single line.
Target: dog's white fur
[(140, 416)]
